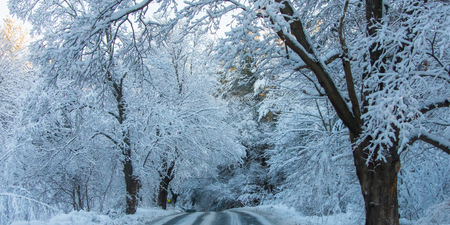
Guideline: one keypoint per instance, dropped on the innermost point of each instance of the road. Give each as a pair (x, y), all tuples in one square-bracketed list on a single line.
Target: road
[(229, 217)]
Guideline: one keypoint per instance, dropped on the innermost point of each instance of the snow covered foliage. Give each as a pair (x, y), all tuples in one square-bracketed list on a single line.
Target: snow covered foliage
[(409, 86), (310, 86), (14, 71), (82, 39), (99, 122), (311, 163), (179, 121), (424, 185), (60, 157), (19, 205)]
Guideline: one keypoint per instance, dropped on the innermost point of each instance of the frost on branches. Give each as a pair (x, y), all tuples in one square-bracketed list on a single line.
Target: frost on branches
[(382, 67)]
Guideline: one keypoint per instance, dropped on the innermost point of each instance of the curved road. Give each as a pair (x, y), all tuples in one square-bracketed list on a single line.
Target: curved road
[(229, 217)]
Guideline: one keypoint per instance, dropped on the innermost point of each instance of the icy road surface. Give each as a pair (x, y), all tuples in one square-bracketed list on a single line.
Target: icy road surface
[(229, 217)]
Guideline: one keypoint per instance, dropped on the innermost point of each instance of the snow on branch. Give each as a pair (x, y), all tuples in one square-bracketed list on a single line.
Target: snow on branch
[(298, 41), (28, 199), (107, 136), (439, 104), (437, 142), (328, 58)]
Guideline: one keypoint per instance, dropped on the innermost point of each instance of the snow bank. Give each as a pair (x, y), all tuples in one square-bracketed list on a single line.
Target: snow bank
[(288, 216), (142, 216), (277, 213)]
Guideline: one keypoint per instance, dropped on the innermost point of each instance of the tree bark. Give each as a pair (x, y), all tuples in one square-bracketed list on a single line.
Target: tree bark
[(164, 185), (378, 180), (162, 194), (174, 197), (132, 182)]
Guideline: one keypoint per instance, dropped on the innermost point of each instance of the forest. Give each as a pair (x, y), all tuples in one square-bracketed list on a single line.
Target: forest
[(327, 107)]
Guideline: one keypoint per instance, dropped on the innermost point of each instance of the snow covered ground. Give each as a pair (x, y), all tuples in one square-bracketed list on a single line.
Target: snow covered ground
[(142, 216), (283, 215), (277, 214)]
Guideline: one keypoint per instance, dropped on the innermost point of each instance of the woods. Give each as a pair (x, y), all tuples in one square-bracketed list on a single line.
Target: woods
[(324, 106)]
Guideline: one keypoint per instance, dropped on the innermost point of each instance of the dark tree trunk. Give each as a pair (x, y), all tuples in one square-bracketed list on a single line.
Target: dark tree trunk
[(164, 185), (80, 201), (378, 178), (132, 182), (162, 194), (378, 182), (174, 197)]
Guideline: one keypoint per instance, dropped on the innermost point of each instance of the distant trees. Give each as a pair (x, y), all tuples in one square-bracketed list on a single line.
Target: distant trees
[(57, 153), (15, 77), (14, 74), (184, 127), (246, 184)]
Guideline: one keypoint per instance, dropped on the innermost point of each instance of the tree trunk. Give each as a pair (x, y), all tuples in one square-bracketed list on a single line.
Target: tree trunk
[(164, 185), (162, 194), (378, 180), (132, 182), (174, 197), (132, 185), (80, 201)]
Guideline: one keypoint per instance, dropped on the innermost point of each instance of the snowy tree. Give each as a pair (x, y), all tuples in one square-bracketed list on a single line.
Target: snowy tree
[(244, 92), (14, 70), (311, 162), (91, 42), (15, 78), (383, 65), (66, 167), (389, 89), (185, 133)]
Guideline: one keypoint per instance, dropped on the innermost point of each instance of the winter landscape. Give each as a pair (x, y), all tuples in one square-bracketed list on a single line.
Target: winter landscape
[(265, 112)]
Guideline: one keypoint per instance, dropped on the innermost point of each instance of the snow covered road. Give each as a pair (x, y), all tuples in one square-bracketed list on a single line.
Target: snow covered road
[(229, 217)]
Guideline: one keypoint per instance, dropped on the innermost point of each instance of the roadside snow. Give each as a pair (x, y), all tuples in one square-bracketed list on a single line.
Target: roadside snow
[(280, 214), (142, 216), (277, 213)]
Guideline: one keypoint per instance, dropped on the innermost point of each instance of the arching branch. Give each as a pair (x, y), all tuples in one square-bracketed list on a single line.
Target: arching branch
[(439, 104), (437, 142)]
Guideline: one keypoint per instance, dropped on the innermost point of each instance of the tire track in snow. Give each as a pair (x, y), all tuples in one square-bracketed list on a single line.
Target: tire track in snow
[(261, 219), (234, 218), (231, 217), (168, 220), (209, 219), (190, 219)]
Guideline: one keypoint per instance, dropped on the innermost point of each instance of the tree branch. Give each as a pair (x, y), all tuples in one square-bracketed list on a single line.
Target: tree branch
[(347, 68), (437, 142), (298, 42), (435, 105), (107, 136), (117, 117), (326, 60)]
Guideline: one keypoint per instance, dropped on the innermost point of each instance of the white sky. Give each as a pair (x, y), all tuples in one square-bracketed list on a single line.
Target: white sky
[(3, 9)]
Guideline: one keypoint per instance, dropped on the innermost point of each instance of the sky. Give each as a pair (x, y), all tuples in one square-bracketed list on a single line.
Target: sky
[(3, 8), (5, 11)]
